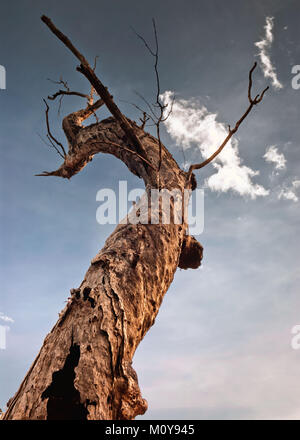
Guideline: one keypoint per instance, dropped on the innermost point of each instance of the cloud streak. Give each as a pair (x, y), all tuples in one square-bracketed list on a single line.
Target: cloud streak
[(191, 125), (264, 47)]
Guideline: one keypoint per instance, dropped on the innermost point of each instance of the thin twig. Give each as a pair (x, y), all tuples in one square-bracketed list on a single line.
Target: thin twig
[(51, 144), (65, 92), (158, 104), (148, 105), (144, 41), (61, 92), (50, 136), (61, 81), (141, 110), (144, 120)]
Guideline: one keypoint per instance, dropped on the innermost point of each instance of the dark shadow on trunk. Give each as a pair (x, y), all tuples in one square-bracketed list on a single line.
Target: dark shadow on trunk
[(64, 399)]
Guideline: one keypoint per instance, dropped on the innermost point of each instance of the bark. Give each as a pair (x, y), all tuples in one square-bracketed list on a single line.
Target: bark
[(84, 368)]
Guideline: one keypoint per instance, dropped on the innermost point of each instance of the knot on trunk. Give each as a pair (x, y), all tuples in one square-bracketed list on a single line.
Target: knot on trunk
[(127, 395), (191, 253)]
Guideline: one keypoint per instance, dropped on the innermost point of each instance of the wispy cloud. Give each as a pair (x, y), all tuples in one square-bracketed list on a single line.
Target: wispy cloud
[(191, 125), (264, 47), (5, 318), (272, 155), (289, 193)]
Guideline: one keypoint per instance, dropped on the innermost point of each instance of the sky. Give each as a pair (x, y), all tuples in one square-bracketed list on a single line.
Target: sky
[(221, 344)]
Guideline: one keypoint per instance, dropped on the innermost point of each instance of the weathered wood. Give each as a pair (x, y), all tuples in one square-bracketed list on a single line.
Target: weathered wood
[(83, 370)]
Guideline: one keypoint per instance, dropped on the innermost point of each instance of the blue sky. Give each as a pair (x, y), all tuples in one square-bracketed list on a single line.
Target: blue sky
[(221, 344)]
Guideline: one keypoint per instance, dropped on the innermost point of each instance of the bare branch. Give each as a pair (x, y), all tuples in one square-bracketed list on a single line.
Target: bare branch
[(62, 93), (250, 81), (51, 137), (65, 92), (50, 144), (158, 104), (154, 54), (65, 84), (91, 96), (144, 120), (99, 140), (95, 62), (61, 81), (148, 105), (58, 172), (89, 110), (252, 102), (102, 91), (260, 98), (142, 111), (144, 41)]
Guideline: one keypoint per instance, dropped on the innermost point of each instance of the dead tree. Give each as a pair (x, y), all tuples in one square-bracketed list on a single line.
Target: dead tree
[(83, 370)]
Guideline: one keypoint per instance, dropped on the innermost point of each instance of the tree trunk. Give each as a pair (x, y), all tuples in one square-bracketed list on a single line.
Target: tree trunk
[(83, 370)]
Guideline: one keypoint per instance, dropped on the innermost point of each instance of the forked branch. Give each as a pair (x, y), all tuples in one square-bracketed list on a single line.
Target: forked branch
[(69, 92), (61, 93), (231, 131)]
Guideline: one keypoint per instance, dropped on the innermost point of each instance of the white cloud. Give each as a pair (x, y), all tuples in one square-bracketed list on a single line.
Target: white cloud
[(191, 124), (5, 318), (264, 47), (273, 156), (288, 194)]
